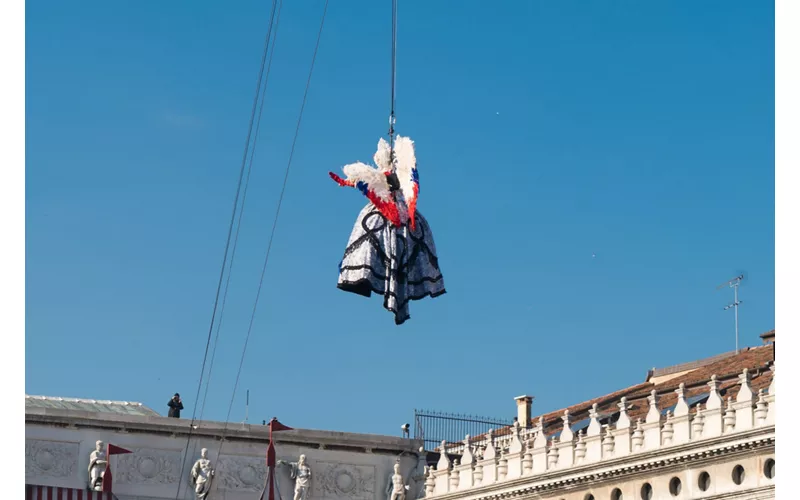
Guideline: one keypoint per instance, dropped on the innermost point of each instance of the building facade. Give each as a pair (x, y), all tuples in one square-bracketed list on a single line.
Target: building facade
[(61, 434), (702, 430)]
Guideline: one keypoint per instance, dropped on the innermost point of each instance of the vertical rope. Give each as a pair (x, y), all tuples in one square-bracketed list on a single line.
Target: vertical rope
[(394, 80)]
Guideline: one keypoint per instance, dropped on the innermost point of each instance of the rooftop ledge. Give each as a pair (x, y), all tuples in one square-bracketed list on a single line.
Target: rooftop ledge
[(235, 431)]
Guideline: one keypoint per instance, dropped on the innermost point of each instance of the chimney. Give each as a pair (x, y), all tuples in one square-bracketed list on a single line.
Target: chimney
[(524, 410), (768, 337)]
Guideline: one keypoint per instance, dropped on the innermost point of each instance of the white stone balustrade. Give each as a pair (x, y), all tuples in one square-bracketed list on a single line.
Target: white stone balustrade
[(529, 452)]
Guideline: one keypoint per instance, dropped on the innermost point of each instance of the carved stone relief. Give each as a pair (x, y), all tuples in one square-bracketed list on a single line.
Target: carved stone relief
[(148, 466), (337, 480), (50, 458), (241, 474)]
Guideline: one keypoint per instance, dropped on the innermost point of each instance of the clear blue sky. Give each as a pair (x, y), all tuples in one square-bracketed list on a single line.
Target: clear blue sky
[(641, 132)]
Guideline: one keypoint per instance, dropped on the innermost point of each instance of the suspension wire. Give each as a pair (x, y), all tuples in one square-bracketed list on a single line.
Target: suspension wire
[(227, 246), (394, 78), (274, 225), (244, 200)]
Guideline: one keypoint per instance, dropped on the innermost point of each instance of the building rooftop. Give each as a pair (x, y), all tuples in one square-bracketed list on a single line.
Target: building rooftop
[(694, 376), (89, 405)]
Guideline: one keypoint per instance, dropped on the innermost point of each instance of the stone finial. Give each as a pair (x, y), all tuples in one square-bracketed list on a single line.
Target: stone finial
[(502, 467), (430, 482), (466, 457), (697, 423), (444, 461), (729, 419), (594, 424), (714, 399), (772, 383), (761, 408), (516, 445), (580, 449), (552, 455), (667, 432), (745, 393), (489, 451), (540, 438), (681, 408), (623, 422), (454, 477), (653, 415), (566, 433), (527, 457), (638, 436), (477, 475), (608, 442)]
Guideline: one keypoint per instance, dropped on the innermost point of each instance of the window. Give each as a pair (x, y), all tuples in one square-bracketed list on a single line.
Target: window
[(675, 486), (738, 474), (616, 494), (769, 468), (647, 492), (704, 481), (588, 496)]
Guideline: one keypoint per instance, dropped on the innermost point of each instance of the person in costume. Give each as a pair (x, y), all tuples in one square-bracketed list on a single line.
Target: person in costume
[(391, 250)]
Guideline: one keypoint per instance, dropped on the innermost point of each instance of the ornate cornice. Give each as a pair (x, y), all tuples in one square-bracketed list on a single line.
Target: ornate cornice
[(697, 452)]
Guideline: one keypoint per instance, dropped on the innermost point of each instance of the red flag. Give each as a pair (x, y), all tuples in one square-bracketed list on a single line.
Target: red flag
[(116, 450), (107, 477)]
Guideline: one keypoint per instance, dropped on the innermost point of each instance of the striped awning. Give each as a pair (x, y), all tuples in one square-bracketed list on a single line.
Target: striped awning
[(37, 492)]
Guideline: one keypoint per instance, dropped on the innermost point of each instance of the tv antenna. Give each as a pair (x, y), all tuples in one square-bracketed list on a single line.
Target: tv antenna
[(734, 283)]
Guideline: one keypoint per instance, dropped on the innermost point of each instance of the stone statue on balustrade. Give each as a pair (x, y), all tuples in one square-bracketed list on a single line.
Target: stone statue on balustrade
[(301, 473), (201, 475), (98, 461), (396, 489)]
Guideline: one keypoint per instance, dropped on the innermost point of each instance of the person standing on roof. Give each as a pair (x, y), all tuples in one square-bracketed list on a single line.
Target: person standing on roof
[(175, 406)]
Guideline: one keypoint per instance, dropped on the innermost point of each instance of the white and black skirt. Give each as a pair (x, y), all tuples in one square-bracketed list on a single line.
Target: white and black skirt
[(396, 262)]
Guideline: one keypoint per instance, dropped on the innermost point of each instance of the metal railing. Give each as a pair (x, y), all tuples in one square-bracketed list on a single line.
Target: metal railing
[(433, 427)]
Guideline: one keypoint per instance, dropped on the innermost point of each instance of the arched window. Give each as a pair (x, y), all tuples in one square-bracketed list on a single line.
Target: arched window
[(769, 468), (616, 494), (647, 492)]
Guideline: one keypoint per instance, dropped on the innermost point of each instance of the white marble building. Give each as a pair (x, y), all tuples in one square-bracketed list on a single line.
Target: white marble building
[(61, 434), (702, 430)]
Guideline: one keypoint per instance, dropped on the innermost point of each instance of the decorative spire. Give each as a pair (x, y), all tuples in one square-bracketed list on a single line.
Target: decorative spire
[(761, 408), (667, 432), (466, 457), (623, 422), (714, 399), (638, 436), (580, 448), (729, 420), (454, 477), (608, 442), (681, 408), (697, 423), (527, 458), (566, 433), (745, 393), (552, 455), (502, 466), (594, 424), (653, 415)]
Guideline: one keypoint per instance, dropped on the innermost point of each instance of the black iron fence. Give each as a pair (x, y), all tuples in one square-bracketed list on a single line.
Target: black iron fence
[(434, 427)]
